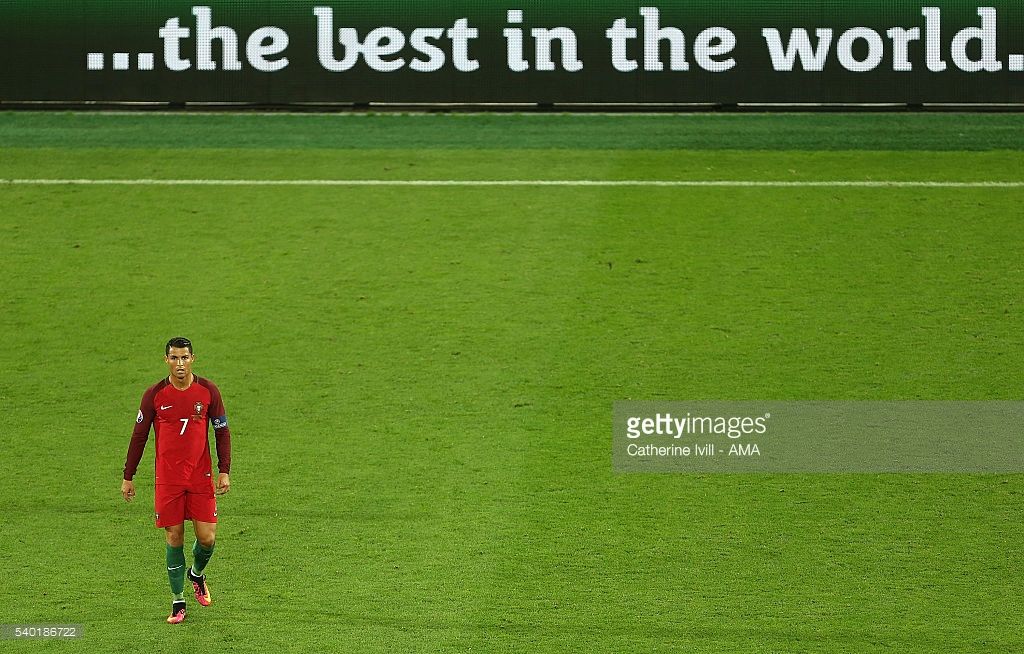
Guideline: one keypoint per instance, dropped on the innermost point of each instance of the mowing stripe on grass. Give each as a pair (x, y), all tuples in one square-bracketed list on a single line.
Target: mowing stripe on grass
[(509, 182)]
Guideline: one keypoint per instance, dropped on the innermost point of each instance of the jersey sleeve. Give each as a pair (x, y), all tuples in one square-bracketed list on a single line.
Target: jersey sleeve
[(140, 434), (219, 419)]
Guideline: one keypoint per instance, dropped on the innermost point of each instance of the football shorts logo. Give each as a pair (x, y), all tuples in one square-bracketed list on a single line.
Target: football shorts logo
[(139, 419), (220, 423)]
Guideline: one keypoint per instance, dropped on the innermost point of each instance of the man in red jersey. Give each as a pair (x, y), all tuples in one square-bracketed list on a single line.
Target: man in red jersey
[(179, 408)]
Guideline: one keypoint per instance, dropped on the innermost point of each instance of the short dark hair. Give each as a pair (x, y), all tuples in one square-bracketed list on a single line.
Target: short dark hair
[(178, 341)]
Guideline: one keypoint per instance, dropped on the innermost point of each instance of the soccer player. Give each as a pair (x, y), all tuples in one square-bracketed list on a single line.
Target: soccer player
[(179, 407)]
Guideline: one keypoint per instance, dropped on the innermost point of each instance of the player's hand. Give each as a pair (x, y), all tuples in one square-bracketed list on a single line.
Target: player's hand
[(223, 484), (127, 490)]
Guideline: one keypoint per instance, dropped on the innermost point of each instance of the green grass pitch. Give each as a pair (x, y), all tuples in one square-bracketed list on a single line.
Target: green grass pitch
[(420, 379)]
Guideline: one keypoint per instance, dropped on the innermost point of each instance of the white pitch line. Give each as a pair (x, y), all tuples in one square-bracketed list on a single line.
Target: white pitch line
[(511, 182)]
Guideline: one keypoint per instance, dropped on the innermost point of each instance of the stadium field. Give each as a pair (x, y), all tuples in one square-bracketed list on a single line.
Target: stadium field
[(420, 378)]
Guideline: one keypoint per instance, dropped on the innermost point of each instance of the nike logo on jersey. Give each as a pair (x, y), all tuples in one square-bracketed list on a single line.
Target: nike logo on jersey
[(164, 408)]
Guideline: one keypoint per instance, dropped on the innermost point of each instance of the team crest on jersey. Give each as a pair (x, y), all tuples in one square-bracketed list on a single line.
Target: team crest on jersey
[(199, 410)]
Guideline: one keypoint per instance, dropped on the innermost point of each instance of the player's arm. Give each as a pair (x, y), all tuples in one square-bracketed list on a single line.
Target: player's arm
[(137, 445), (222, 434)]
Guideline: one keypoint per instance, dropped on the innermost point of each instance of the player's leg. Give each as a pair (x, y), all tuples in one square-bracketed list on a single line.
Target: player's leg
[(202, 509), (175, 536), (206, 536), (170, 515), (202, 549)]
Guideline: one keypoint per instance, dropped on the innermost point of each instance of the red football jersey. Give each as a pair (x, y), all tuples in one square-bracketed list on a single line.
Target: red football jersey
[(180, 419)]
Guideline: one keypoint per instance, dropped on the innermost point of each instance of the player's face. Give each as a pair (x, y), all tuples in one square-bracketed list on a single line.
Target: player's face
[(179, 362)]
